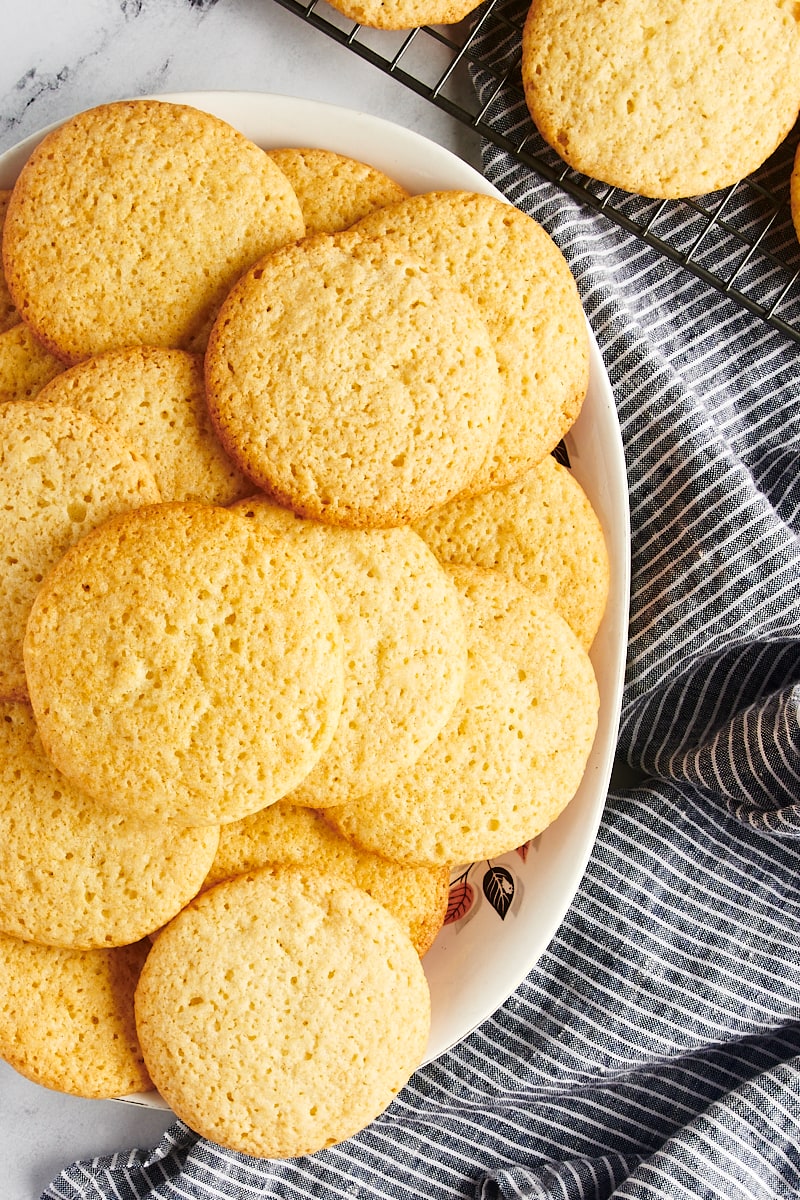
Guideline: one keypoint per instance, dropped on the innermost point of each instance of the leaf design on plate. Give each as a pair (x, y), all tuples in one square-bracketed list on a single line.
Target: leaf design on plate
[(560, 454), (522, 850), (498, 888), (459, 901)]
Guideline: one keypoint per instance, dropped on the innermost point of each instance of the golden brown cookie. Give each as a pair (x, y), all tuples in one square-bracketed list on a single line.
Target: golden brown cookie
[(61, 473), (67, 1018), (129, 223), (405, 14), (8, 313), (404, 647), (514, 751), (184, 666), (666, 98), (334, 191), (281, 1012), (351, 383), (25, 365), (542, 530), (285, 834), (71, 873), (510, 268), (155, 399)]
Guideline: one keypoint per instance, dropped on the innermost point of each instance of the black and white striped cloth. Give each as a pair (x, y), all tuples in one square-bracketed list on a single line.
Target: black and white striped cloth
[(655, 1049)]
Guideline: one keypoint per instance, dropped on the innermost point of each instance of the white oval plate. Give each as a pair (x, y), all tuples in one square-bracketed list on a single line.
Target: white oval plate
[(510, 908)]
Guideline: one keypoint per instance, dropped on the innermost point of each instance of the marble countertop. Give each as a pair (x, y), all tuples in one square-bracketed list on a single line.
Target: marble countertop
[(56, 59)]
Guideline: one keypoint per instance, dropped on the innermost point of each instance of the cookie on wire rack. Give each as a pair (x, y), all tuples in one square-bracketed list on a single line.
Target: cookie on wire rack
[(405, 14), (667, 99)]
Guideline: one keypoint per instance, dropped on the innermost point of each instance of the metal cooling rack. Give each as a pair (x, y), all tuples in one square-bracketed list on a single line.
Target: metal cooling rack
[(740, 240)]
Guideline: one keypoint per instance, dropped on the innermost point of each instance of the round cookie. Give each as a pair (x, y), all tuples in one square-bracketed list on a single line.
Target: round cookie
[(667, 99), (794, 193), (542, 530), (351, 383), (101, 240), (514, 751), (8, 313), (182, 665), (334, 191), (281, 1012), (61, 473), (288, 835), (73, 874), (67, 1018), (155, 399), (405, 14), (404, 647), (511, 269), (25, 366)]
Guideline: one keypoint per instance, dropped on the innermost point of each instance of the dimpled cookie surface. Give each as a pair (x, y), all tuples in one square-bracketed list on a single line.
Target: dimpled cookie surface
[(334, 191), (542, 530), (282, 1011), (514, 751), (183, 666), (155, 399), (61, 473), (666, 98), (350, 383), (404, 647), (67, 1018), (71, 873), (288, 834), (506, 264), (130, 190)]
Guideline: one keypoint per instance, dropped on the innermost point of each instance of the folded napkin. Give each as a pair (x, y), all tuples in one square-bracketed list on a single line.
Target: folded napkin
[(655, 1049)]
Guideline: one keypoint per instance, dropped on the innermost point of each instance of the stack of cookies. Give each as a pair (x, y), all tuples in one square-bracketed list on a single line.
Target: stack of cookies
[(295, 613)]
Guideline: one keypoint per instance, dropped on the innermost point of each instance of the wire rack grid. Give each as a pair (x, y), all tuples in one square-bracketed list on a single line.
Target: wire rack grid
[(740, 240)]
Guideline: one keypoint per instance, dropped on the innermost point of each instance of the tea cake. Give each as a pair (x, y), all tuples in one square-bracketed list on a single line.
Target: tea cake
[(669, 99), (67, 1018), (289, 835), (183, 666), (153, 210), (61, 474), (25, 365), (73, 874), (542, 530), (334, 191), (404, 647), (8, 313), (352, 384), (281, 1012), (155, 399), (510, 268), (514, 751)]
